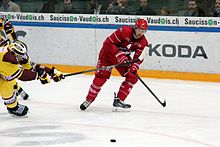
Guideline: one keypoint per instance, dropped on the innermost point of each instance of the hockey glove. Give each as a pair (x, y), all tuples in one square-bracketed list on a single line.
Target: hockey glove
[(134, 68), (56, 75), (121, 57), (43, 76)]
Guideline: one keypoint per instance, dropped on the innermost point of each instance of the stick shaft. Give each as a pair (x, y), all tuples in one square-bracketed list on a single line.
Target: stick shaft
[(101, 68), (145, 85)]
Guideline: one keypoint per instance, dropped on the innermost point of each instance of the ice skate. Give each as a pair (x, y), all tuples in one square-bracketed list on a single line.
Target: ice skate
[(119, 105), (85, 105), (19, 110)]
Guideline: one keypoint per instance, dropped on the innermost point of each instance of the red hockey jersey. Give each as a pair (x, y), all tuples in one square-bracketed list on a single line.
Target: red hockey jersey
[(123, 39)]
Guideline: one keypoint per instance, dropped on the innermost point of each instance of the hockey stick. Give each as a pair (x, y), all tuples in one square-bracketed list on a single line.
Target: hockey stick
[(141, 57), (101, 68), (162, 103)]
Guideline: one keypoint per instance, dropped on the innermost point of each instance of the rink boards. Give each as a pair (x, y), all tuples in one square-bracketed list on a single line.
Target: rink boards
[(180, 47)]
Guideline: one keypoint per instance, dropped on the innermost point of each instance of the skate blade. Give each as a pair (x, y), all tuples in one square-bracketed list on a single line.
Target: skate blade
[(119, 109), (15, 116)]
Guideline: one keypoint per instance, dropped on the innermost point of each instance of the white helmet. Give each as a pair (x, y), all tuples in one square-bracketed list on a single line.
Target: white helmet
[(22, 44), (19, 48)]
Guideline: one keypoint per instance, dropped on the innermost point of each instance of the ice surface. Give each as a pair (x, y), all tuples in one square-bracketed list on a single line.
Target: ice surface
[(190, 119)]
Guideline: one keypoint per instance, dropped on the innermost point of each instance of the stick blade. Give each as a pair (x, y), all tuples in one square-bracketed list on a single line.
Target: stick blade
[(164, 103)]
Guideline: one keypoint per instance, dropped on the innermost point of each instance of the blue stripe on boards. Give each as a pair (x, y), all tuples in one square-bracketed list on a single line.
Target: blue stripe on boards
[(115, 26), (184, 29)]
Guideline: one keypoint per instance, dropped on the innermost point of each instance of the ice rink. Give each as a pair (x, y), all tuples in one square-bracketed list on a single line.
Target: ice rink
[(190, 119)]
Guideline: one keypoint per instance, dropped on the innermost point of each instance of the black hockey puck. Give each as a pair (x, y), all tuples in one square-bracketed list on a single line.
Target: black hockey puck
[(113, 140)]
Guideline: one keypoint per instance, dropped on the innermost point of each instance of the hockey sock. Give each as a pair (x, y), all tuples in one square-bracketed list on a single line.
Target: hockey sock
[(124, 90), (95, 88)]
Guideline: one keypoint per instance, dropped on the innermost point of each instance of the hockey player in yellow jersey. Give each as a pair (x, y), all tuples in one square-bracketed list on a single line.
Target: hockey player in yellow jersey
[(15, 64), (7, 36), (7, 31)]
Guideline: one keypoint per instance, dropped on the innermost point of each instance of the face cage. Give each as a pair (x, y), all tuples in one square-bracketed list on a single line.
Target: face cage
[(22, 57)]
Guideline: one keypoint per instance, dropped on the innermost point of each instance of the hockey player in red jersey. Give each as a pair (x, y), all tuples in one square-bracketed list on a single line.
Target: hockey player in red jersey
[(117, 49)]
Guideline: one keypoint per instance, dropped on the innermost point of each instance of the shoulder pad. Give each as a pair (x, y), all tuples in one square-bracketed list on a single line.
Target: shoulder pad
[(9, 57)]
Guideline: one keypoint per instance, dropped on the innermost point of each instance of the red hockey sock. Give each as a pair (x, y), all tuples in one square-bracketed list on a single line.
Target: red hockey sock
[(95, 88), (124, 90)]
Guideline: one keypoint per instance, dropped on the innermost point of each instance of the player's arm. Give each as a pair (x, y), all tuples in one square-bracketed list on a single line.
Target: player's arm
[(20, 67), (27, 75), (118, 36), (115, 39), (135, 66), (32, 71), (13, 69), (9, 30), (42, 71), (54, 74)]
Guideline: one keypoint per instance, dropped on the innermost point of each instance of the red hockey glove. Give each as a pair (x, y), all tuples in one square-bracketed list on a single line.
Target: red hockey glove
[(121, 57), (134, 68), (56, 75)]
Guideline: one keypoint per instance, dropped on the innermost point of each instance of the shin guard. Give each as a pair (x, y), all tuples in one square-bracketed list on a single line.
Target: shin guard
[(95, 88)]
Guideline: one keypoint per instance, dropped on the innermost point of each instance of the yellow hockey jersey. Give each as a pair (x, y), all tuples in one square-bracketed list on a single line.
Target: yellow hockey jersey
[(10, 68), (7, 32)]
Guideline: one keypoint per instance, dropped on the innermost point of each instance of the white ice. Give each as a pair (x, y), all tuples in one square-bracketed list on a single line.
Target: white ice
[(190, 119)]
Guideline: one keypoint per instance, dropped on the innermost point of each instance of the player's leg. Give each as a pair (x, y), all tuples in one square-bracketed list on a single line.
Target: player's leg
[(101, 77), (125, 88), (21, 92), (9, 95)]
